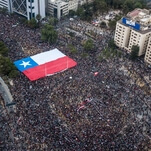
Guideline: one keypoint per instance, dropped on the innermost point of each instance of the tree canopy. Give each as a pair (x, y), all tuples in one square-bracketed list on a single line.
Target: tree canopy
[(111, 44), (3, 49), (134, 52), (103, 24), (6, 65), (126, 5), (49, 34), (53, 21), (72, 13), (88, 45), (32, 23), (100, 6), (85, 12), (38, 17)]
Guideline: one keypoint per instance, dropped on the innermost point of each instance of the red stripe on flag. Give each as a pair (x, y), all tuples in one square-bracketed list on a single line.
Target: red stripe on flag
[(49, 68)]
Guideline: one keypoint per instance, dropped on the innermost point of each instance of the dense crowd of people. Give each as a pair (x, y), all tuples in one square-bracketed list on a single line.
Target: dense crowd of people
[(94, 106)]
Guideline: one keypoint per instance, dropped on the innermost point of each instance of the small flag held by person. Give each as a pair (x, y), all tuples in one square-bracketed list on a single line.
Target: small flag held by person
[(81, 107), (96, 73), (19, 120), (83, 103)]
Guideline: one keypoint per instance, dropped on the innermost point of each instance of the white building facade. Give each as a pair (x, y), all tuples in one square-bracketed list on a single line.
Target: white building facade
[(58, 8), (134, 29), (148, 52), (4, 4), (7, 4), (30, 8), (35, 7), (26, 8), (73, 5)]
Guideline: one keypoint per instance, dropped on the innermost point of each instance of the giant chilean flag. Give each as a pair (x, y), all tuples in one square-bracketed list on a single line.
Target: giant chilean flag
[(44, 64)]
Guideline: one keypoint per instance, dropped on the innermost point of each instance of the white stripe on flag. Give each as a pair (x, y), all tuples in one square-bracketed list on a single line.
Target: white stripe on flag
[(48, 56)]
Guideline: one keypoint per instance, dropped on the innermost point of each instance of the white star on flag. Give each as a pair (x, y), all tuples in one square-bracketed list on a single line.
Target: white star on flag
[(25, 64)]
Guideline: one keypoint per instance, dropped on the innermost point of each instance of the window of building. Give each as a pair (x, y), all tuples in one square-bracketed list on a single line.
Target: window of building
[(61, 12), (55, 12), (31, 1), (31, 16), (32, 7)]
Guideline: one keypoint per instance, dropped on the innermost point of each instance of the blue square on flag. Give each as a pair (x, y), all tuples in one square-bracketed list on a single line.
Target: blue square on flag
[(25, 64)]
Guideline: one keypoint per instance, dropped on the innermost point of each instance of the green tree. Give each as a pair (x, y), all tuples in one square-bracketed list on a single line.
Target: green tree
[(142, 2), (53, 21), (103, 24), (80, 12), (117, 17), (13, 74), (3, 49), (88, 45), (72, 49), (112, 24), (100, 6), (38, 17), (109, 3), (88, 12), (32, 23), (134, 52), (7, 67), (49, 34), (72, 13), (138, 5), (128, 5), (111, 44), (117, 4)]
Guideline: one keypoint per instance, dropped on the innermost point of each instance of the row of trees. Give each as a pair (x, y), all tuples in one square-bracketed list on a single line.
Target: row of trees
[(7, 68), (108, 53), (100, 6)]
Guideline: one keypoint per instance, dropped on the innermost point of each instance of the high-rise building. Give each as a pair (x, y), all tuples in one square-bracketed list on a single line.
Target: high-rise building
[(73, 5), (148, 52), (30, 8), (7, 4), (134, 29), (27, 8), (4, 4), (58, 8)]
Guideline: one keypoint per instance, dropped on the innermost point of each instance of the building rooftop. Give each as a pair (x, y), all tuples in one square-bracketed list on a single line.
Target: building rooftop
[(141, 17), (142, 31), (58, 2)]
